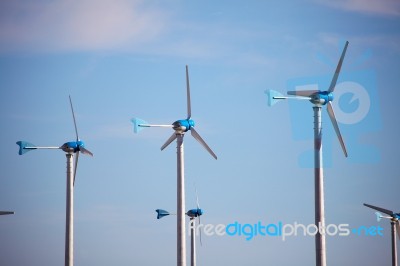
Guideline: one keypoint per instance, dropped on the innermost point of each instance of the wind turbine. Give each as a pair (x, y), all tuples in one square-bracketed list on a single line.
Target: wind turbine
[(70, 148), (394, 221), (180, 127), (193, 214), (318, 99)]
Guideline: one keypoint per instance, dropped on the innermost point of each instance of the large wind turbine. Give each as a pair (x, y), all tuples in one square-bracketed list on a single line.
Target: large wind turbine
[(70, 148), (394, 221), (318, 99), (180, 127)]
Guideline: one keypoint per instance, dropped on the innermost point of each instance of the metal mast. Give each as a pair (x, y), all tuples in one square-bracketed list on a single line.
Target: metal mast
[(181, 237), (320, 248), (69, 222), (192, 241)]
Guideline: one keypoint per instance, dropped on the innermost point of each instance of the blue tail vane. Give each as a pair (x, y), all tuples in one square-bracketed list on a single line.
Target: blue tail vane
[(378, 216), (161, 213), (136, 122), (270, 97), (24, 147)]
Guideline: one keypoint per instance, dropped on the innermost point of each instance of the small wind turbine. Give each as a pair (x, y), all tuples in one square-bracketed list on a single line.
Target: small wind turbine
[(318, 99), (193, 214), (394, 221), (6, 212), (180, 127), (70, 148)]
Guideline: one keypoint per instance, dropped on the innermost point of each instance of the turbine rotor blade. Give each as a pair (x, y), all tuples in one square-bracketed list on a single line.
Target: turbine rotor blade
[(337, 72), (76, 165), (305, 93), (6, 212), (388, 212), (85, 151), (197, 198), (202, 142), (201, 242), (73, 116), (171, 139), (189, 108), (336, 126)]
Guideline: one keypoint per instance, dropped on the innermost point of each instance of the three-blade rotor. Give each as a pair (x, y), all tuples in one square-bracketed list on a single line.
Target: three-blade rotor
[(180, 126), (318, 98)]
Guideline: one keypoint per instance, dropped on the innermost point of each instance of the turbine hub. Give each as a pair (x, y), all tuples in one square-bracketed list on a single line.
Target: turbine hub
[(194, 213)]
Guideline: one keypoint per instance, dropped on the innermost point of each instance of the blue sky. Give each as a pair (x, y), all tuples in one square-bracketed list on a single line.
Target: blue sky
[(123, 59)]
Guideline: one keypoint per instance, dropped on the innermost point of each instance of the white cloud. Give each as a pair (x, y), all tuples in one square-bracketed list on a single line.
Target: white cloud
[(375, 7), (78, 25)]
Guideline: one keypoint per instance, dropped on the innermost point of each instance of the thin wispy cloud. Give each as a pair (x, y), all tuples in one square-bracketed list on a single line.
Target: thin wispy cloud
[(373, 7), (72, 25)]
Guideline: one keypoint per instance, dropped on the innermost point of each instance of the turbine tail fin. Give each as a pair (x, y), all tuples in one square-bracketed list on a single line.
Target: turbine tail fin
[(136, 124), (25, 146), (378, 216), (161, 213), (273, 97)]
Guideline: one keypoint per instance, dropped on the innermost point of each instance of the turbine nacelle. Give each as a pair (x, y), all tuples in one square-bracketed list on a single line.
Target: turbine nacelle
[(74, 146), (183, 125), (193, 213), (321, 97)]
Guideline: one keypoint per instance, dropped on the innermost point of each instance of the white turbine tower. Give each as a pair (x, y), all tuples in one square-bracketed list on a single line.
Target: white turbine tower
[(180, 127), (70, 148), (395, 226), (318, 99)]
